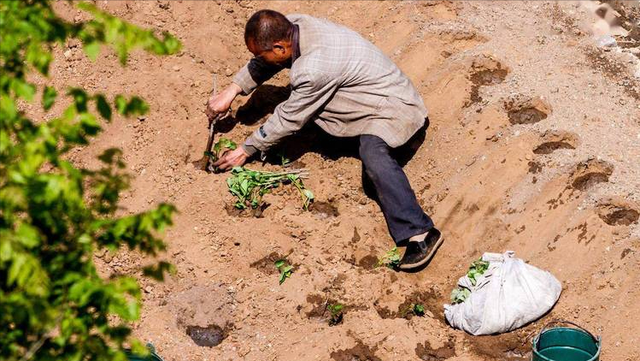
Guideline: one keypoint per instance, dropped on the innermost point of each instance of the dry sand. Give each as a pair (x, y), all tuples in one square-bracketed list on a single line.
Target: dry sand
[(533, 147)]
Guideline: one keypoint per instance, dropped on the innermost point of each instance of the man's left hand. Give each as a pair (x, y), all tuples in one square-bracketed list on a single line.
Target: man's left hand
[(233, 158)]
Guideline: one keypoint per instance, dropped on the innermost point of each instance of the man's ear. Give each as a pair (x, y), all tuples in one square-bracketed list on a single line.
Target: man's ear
[(279, 48)]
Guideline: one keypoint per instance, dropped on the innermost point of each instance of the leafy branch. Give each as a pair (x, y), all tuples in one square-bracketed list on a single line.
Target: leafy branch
[(55, 215)]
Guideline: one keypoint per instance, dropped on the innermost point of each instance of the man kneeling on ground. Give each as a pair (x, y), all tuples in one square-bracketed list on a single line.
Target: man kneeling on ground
[(349, 88)]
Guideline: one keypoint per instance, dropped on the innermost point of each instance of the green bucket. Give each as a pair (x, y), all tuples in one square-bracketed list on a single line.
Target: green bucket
[(152, 355), (565, 344)]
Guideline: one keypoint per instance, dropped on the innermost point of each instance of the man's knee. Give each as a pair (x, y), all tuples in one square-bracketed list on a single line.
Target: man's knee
[(374, 153)]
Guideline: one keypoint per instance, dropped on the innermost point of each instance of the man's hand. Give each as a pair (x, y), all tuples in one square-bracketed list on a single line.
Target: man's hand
[(233, 158), (220, 103)]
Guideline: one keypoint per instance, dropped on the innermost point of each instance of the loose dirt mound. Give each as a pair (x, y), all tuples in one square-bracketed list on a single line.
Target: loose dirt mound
[(495, 175)]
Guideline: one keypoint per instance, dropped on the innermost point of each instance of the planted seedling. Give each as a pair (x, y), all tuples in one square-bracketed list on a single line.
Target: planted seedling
[(391, 259), (413, 309), (336, 313), (284, 268), (248, 186), (418, 309), (219, 149)]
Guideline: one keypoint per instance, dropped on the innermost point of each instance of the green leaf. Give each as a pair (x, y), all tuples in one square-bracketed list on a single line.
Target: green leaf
[(80, 98), (134, 106), (49, 97), (307, 193), (92, 49), (279, 263), (418, 309), (103, 107), (23, 89)]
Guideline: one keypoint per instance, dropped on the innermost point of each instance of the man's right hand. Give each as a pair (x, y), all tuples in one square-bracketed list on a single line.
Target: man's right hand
[(221, 102)]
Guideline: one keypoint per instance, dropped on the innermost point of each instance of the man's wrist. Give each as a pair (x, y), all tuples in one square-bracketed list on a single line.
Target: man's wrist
[(235, 89), (249, 150)]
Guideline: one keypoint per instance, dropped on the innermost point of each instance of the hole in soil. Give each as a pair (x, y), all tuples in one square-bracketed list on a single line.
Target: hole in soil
[(359, 352), (534, 167), (555, 140), (485, 71), (368, 262), (526, 116), (319, 309), (324, 210), (589, 173), (617, 212), (427, 353), (209, 336), (266, 264), (431, 300), (246, 213), (524, 110), (550, 147)]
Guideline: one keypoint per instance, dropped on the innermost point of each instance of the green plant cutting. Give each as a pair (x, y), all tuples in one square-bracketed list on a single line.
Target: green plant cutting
[(477, 268), (248, 186), (219, 149), (391, 259), (284, 268)]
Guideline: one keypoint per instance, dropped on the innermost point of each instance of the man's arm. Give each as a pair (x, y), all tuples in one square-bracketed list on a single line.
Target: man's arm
[(253, 74), (311, 91), (250, 76)]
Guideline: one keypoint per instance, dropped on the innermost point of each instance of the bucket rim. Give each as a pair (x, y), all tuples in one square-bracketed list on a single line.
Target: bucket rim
[(535, 342)]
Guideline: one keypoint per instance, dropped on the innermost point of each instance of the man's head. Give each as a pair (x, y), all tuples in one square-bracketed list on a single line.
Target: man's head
[(268, 36)]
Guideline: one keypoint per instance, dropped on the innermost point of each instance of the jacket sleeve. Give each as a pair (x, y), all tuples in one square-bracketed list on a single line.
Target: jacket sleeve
[(253, 74), (310, 92)]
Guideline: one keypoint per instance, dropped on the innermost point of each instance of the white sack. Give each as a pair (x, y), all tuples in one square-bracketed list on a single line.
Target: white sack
[(508, 295)]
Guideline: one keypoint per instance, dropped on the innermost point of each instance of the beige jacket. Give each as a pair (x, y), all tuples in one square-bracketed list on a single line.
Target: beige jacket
[(342, 82)]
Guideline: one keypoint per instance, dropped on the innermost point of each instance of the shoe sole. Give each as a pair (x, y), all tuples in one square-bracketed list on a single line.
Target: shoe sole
[(426, 259)]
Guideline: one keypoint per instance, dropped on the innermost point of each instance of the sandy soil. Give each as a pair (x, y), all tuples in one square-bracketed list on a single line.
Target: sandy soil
[(532, 147)]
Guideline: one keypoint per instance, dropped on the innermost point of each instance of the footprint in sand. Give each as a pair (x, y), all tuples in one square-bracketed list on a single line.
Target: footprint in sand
[(590, 172), (553, 140), (527, 110)]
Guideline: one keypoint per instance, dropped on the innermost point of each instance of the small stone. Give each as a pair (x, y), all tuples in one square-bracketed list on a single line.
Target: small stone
[(606, 41), (176, 68), (228, 72), (68, 53)]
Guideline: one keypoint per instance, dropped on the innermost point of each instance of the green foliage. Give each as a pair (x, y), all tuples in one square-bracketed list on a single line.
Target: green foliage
[(390, 259), (336, 313), (418, 309), (248, 186), (476, 269), (460, 294), (284, 268), (54, 215)]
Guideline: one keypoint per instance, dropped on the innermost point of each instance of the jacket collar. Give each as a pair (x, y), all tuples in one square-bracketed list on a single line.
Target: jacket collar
[(295, 40)]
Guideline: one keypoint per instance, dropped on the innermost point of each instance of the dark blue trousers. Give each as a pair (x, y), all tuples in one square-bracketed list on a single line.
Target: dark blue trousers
[(383, 175)]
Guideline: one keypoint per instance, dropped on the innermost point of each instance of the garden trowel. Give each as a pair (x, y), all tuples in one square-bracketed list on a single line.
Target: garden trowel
[(208, 166)]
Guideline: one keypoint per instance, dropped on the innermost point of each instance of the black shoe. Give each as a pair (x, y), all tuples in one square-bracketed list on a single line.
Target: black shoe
[(419, 253)]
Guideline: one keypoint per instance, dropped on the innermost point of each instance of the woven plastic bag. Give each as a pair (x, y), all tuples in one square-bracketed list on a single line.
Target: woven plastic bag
[(508, 295)]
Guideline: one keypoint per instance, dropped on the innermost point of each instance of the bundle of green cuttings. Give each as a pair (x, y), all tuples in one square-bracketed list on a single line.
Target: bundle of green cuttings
[(477, 268), (248, 186)]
